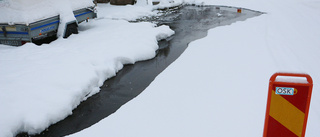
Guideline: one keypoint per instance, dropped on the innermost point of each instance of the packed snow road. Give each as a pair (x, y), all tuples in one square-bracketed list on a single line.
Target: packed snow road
[(189, 23)]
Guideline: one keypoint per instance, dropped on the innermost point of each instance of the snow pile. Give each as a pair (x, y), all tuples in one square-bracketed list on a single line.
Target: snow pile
[(128, 12), (132, 12), (218, 87), (34, 10), (41, 85)]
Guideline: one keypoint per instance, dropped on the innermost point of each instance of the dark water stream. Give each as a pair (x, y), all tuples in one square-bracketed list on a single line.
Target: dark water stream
[(189, 23)]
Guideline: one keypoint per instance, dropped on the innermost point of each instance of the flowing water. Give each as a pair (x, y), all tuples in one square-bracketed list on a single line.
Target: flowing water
[(189, 23)]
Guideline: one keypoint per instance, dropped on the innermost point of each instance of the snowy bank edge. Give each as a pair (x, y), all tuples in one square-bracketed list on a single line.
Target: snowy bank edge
[(91, 89)]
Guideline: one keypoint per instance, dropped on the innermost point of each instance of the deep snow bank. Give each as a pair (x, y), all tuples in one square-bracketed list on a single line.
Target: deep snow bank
[(40, 85)]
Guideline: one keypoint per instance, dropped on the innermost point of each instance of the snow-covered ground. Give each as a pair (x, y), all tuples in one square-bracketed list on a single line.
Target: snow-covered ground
[(218, 87), (40, 85)]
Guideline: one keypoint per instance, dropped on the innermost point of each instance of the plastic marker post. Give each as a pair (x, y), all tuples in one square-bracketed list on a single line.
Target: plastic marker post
[(288, 104)]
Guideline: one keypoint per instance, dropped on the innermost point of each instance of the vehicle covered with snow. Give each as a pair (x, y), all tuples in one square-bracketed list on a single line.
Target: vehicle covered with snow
[(27, 21)]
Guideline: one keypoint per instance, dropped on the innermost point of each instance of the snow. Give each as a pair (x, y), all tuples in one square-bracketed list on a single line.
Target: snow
[(218, 87), (291, 79), (29, 11), (128, 12), (41, 85)]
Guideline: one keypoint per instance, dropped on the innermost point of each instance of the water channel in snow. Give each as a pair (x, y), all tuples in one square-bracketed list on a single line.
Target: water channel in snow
[(189, 23)]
